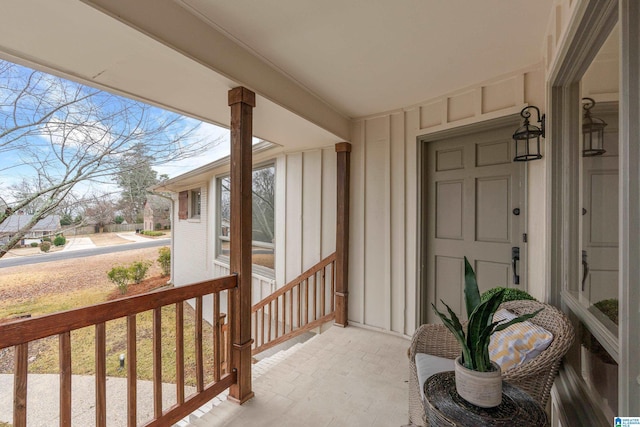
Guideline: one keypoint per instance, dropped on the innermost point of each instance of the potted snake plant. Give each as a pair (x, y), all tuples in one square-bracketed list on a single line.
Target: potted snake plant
[(478, 379)]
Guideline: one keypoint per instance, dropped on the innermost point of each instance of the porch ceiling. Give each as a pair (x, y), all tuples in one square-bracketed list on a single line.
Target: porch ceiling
[(314, 65)]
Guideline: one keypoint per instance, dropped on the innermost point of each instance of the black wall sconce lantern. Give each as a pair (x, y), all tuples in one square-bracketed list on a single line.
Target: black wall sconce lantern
[(592, 131), (527, 137)]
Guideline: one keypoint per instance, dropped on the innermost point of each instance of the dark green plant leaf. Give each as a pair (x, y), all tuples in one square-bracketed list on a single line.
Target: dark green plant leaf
[(471, 292), (458, 332), (482, 317)]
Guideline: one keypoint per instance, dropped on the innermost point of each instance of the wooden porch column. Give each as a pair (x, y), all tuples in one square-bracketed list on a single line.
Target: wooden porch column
[(241, 101), (342, 234)]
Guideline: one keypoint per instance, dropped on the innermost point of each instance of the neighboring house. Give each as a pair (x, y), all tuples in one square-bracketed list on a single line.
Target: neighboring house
[(157, 213), (429, 95), (48, 226)]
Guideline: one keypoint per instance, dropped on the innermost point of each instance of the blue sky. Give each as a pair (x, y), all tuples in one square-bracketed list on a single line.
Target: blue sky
[(13, 164)]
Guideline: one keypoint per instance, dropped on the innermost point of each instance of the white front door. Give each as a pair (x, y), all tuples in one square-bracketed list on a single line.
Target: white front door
[(475, 208)]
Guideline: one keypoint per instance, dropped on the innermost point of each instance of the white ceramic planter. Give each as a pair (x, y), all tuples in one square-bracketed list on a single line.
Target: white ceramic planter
[(482, 389)]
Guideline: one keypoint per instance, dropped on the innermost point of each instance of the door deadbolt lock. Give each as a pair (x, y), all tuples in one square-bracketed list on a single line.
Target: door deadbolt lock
[(516, 211)]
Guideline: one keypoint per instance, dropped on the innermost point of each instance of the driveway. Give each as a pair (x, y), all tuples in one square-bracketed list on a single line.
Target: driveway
[(78, 243)]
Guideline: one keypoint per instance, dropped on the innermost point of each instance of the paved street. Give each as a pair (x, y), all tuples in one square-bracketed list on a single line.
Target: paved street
[(80, 253)]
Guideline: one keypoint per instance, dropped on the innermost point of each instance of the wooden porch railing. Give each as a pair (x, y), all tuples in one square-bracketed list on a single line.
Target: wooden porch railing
[(21, 332), (305, 303)]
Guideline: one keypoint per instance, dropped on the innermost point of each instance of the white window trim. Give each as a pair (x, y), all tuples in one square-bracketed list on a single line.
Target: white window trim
[(593, 24), (191, 216)]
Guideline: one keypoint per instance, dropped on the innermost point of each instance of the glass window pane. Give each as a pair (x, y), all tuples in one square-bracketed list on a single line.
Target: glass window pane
[(263, 219), (600, 373)]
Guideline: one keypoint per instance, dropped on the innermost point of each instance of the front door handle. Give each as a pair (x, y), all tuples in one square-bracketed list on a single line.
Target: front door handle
[(585, 269), (515, 257)]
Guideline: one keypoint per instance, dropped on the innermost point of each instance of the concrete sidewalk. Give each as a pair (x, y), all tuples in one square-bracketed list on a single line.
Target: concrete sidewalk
[(43, 397)]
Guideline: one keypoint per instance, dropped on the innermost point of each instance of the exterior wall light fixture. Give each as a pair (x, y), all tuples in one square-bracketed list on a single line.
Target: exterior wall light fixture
[(527, 137), (592, 131)]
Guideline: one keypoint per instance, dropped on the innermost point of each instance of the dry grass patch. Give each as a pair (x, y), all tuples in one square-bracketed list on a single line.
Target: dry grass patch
[(31, 282)]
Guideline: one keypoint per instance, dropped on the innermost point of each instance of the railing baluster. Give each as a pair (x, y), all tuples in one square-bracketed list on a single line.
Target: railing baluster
[(270, 318), (180, 353), (315, 300), (20, 385), (262, 326), (198, 338), (284, 313), (64, 352), (291, 310), (157, 363), (323, 291), (19, 334), (333, 285), (216, 338), (299, 308), (132, 372), (101, 374), (276, 318), (306, 301)]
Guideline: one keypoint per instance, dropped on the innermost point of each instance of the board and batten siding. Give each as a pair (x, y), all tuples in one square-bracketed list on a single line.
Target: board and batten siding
[(385, 185), (305, 222), (305, 211)]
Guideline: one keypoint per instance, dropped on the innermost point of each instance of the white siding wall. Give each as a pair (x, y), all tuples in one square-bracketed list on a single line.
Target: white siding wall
[(305, 222), (191, 244), (384, 196)]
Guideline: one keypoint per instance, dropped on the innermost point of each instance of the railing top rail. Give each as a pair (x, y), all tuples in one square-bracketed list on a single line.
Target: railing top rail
[(310, 272), (26, 330)]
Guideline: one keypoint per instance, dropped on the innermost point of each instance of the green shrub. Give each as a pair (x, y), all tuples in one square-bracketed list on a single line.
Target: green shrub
[(119, 219), (510, 294), (164, 259), (158, 226), (120, 275), (46, 239), (60, 240), (138, 270), (45, 246), (153, 233), (34, 244)]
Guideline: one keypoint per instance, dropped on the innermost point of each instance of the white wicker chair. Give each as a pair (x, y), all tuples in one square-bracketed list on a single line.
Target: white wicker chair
[(535, 377)]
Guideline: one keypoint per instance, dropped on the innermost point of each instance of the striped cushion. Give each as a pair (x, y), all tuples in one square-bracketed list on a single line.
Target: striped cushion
[(518, 344)]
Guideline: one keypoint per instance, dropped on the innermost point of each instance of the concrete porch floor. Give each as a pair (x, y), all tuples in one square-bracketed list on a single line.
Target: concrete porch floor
[(343, 377)]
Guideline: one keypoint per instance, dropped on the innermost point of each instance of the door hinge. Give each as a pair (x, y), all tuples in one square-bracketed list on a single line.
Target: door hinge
[(524, 237)]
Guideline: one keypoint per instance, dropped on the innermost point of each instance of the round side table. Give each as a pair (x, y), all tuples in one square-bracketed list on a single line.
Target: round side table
[(446, 408)]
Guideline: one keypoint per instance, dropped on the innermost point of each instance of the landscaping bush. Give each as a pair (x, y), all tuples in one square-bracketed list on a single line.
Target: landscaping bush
[(153, 233), (34, 244), (46, 239), (45, 246), (164, 259), (120, 275), (60, 240), (138, 270), (510, 294)]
